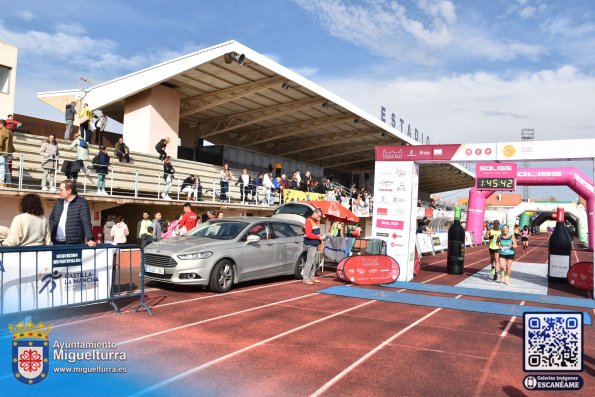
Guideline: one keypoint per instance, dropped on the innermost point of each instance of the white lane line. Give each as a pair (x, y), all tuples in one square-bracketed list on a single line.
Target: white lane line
[(213, 319), (168, 304), (342, 374), (240, 351), (487, 368)]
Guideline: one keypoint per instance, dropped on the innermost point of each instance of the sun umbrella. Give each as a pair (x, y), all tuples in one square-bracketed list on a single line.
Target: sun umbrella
[(334, 209)]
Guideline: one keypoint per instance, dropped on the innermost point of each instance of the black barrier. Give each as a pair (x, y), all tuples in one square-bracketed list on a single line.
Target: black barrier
[(49, 277)]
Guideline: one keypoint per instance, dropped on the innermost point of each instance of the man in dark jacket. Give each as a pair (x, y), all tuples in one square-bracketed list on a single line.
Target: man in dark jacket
[(70, 220), (69, 114)]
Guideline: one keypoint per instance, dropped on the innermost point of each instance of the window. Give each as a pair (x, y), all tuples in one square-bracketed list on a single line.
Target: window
[(4, 79), (260, 229), (281, 230)]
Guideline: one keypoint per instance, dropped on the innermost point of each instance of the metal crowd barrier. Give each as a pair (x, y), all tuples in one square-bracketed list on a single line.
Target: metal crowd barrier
[(58, 276)]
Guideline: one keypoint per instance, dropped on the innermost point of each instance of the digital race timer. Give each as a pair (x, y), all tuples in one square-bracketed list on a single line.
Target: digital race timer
[(496, 183)]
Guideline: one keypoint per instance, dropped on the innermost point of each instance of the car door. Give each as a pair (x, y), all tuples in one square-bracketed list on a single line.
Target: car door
[(258, 257), (289, 245)]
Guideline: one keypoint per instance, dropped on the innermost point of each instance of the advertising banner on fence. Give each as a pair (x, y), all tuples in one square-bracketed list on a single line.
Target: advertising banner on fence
[(395, 211), (46, 279), (290, 195)]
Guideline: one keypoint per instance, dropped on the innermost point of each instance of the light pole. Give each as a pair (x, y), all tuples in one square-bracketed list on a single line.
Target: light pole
[(527, 134)]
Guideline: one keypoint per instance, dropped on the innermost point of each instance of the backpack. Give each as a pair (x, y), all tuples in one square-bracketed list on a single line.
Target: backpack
[(83, 144), (95, 162)]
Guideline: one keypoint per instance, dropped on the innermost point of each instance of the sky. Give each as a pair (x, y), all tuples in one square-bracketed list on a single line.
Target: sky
[(458, 71)]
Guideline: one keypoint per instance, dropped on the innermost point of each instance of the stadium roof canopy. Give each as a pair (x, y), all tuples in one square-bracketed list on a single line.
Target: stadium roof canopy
[(262, 106)]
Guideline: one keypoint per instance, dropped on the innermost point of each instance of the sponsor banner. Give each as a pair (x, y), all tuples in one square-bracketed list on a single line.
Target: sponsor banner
[(290, 195), (395, 193), (495, 170), (368, 269), (424, 242), (55, 278), (545, 150)]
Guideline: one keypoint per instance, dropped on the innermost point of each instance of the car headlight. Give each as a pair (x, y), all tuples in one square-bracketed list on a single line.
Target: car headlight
[(196, 255)]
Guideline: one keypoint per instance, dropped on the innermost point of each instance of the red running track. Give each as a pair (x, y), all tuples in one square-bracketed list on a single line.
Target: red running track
[(280, 338)]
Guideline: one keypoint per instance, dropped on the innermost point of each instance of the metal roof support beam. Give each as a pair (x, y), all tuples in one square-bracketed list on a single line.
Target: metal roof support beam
[(341, 153), (301, 127), (348, 162), (240, 120), (198, 103), (355, 134)]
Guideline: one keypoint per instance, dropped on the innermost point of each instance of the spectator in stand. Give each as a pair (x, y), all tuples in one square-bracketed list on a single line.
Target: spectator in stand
[(244, 182), (82, 154), (69, 114), (12, 124), (307, 182), (70, 220), (224, 182), (267, 185), (49, 154), (100, 125), (147, 238), (141, 227), (6, 151), (107, 229), (157, 227), (256, 184), (29, 227), (294, 182), (160, 147), (86, 116), (102, 170), (191, 186), (168, 175), (188, 221), (122, 151), (119, 231), (278, 169)]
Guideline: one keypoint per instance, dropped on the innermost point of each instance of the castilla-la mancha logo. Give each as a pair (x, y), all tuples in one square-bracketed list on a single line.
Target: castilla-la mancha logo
[(30, 351)]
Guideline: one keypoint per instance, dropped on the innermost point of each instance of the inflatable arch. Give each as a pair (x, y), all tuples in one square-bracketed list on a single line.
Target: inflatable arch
[(579, 215), (569, 176)]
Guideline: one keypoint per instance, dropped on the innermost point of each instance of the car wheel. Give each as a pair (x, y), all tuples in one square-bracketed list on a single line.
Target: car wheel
[(299, 266), (221, 277)]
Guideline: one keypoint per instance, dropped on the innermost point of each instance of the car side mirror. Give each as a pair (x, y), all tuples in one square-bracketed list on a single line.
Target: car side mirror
[(253, 238)]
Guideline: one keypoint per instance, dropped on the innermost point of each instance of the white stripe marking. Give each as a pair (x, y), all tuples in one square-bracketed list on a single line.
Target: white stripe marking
[(240, 351)]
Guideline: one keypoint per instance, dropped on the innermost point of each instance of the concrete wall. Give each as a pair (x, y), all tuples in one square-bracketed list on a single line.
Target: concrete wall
[(8, 58), (150, 116)]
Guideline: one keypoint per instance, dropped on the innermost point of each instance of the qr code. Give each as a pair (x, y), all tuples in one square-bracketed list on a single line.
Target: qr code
[(553, 342)]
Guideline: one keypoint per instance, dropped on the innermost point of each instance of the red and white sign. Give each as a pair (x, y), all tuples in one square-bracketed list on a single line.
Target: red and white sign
[(368, 269), (495, 170)]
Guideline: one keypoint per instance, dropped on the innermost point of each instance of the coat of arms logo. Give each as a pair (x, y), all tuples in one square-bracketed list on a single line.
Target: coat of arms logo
[(30, 351)]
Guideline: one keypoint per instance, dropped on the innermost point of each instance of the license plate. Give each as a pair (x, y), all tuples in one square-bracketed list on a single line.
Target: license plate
[(153, 269)]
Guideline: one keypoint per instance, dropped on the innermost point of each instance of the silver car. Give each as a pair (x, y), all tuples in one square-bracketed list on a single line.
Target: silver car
[(223, 252)]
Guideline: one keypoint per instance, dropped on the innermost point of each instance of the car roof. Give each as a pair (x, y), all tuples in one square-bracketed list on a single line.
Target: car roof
[(255, 219)]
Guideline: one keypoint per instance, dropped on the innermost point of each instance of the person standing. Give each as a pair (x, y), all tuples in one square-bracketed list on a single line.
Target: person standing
[(107, 229), (188, 221), (312, 239), (157, 227), (142, 226), (29, 227), (82, 154), (507, 243), (525, 234), (49, 153), (160, 147), (278, 169), (86, 117), (122, 151), (69, 116), (244, 182), (100, 125), (70, 220), (267, 185), (6, 151), (492, 235), (102, 170), (168, 175), (119, 231), (224, 182)]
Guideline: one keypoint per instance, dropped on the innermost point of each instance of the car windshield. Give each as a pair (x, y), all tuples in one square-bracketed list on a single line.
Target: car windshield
[(294, 209), (218, 229)]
